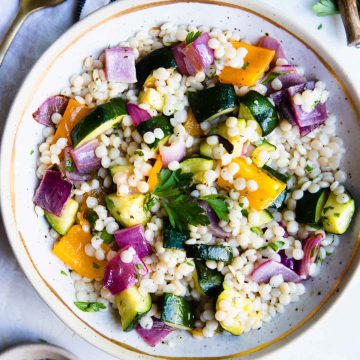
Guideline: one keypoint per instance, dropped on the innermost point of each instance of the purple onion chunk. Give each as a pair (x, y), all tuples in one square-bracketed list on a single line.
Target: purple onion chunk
[(53, 104), (120, 65), (134, 236), (311, 250), (179, 57), (271, 43), (53, 192), (269, 268), (174, 152), (291, 263), (69, 169), (156, 334), (137, 114), (120, 275), (85, 158)]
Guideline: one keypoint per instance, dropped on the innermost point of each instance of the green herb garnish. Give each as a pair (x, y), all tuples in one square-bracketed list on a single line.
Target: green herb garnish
[(244, 212), (91, 217), (139, 152), (31, 151), (245, 66), (192, 36), (309, 168), (62, 272), (277, 245), (89, 306), (256, 230), (106, 237), (320, 26), (271, 77), (218, 205), (149, 203), (69, 165)]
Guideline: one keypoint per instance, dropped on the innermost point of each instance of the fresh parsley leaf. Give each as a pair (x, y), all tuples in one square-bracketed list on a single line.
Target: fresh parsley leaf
[(277, 245), (138, 268), (309, 168), (62, 272), (106, 237), (31, 151), (256, 230), (139, 152), (91, 217), (271, 77), (69, 165), (325, 8), (244, 212), (182, 212), (320, 26), (245, 66), (218, 205), (192, 36), (95, 265), (150, 201), (89, 306)]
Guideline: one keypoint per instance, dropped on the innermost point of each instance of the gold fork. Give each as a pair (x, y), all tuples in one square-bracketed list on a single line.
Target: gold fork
[(26, 8)]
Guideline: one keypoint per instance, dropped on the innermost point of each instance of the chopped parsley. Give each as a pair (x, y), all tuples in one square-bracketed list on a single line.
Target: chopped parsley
[(244, 212), (62, 272), (149, 203), (106, 237), (89, 306), (271, 77), (192, 36), (91, 217), (246, 65), (69, 165), (218, 205), (309, 168), (138, 268), (32, 151), (95, 265), (320, 26), (139, 152), (256, 230), (277, 245)]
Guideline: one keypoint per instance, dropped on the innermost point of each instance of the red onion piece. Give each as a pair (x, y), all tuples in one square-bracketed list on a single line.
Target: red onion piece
[(311, 249), (53, 192), (174, 152), (156, 334), (138, 115), (271, 43), (74, 175), (214, 227), (291, 263), (134, 236), (119, 275), (269, 268), (120, 65), (53, 104), (197, 56), (85, 158)]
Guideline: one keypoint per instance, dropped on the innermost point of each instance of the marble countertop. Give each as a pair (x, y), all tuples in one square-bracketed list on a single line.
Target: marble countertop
[(24, 317)]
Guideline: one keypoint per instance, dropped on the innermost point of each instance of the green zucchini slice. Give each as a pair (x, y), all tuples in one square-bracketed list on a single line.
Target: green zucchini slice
[(279, 202), (212, 102), (103, 118), (209, 252), (208, 282), (173, 237), (310, 207), (177, 312), (132, 306)]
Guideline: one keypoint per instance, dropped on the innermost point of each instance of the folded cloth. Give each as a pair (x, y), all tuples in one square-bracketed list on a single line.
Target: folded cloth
[(85, 7)]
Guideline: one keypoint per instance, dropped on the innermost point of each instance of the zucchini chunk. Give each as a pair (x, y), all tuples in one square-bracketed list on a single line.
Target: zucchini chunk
[(209, 252), (173, 237), (127, 210), (336, 218), (162, 57), (161, 122), (206, 150), (120, 169), (279, 202), (263, 146), (177, 312), (63, 223), (264, 216), (197, 166), (208, 282), (132, 306), (261, 109), (310, 207), (210, 103), (103, 118)]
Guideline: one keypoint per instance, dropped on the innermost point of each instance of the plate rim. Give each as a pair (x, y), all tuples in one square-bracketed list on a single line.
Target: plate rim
[(48, 294)]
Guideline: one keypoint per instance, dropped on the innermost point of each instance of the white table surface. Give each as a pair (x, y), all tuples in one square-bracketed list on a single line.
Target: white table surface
[(25, 317)]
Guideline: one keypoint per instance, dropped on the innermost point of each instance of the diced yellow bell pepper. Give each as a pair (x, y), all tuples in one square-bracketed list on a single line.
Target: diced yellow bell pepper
[(256, 62), (73, 114), (71, 250), (191, 126), (152, 97), (269, 188), (154, 172)]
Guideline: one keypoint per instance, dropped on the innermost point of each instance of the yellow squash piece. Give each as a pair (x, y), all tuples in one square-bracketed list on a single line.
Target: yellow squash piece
[(71, 250), (269, 188), (152, 97), (73, 114), (191, 126), (256, 62), (154, 172)]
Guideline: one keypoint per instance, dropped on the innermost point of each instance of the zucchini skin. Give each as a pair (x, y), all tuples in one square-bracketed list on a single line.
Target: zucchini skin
[(161, 122), (209, 252), (279, 202), (262, 110), (212, 102), (173, 237), (310, 206), (100, 115), (162, 57), (208, 280), (177, 312)]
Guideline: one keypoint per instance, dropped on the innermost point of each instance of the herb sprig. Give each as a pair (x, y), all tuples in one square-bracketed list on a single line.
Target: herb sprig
[(90, 306), (218, 205), (192, 36)]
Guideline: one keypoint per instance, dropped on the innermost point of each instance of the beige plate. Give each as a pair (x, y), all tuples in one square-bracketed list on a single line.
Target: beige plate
[(27, 233)]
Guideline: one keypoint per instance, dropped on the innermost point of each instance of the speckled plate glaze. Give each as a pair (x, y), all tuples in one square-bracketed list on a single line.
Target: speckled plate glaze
[(27, 234)]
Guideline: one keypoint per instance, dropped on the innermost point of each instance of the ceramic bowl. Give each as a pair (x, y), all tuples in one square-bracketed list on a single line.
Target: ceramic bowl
[(28, 234)]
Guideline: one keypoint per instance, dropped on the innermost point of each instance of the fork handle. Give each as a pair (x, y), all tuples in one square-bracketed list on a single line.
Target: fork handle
[(9, 36)]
